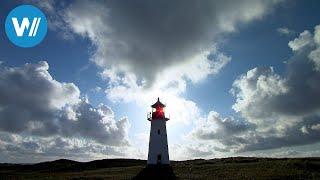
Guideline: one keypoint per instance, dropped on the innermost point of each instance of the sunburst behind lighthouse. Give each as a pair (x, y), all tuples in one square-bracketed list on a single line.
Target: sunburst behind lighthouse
[(158, 143)]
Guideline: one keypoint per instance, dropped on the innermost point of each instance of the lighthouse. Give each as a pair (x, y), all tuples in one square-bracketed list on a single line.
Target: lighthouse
[(158, 143)]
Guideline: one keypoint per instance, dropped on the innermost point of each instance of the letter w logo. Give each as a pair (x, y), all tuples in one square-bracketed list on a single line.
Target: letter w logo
[(25, 25)]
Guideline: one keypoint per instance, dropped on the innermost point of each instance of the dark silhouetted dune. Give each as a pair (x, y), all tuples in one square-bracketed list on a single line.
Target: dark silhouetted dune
[(224, 168)]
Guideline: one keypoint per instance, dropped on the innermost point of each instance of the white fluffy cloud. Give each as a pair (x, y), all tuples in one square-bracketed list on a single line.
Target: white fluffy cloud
[(36, 109), (263, 96), (276, 111), (303, 40), (255, 87), (97, 124), (30, 97)]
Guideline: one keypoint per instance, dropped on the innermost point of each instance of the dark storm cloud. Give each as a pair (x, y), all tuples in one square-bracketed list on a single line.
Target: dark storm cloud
[(32, 102), (303, 81), (144, 37)]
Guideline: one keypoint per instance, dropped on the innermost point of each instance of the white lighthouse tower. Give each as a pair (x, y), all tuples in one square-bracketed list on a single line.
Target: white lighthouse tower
[(158, 144)]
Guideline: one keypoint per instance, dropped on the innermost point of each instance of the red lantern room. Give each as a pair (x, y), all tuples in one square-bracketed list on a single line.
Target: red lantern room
[(157, 111)]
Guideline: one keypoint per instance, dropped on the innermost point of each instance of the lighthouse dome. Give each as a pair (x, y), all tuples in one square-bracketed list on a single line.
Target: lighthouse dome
[(158, 104)]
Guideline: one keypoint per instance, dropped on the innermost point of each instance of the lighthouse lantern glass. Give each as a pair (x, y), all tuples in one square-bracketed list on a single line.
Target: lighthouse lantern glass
[(158, 113)]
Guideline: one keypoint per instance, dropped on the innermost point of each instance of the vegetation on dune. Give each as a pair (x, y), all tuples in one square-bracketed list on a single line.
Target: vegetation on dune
[(225, 168)]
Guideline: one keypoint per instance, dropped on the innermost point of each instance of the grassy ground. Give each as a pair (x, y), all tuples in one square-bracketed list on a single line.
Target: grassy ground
[(227, 168)]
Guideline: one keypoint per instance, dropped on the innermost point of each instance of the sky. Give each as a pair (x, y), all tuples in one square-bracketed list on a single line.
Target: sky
[(239, 78)]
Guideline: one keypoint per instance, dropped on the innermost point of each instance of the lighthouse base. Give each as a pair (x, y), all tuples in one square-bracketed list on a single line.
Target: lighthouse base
[(158, 165), (163, 171)]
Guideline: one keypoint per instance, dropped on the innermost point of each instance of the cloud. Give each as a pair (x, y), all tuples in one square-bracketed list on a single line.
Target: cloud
[(256, 86), (146, 50), (315, 127), (189, 151), (215, 126), (19, 148), (146, 38), (276, 111), (54, 13), (198, 153), (35, 104), (95, 123), (262, 93), (224, 134), (149, 50), (298, 43), (315, 54), (29, 95), (242, 136), (285, 31), (96, 89)]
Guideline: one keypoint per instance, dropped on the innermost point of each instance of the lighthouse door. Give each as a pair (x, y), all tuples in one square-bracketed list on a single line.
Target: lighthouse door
[(159, 159)]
